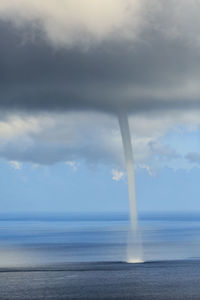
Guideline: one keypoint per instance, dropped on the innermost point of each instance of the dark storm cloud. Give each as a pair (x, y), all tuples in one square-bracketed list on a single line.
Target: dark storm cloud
[(151, 72)]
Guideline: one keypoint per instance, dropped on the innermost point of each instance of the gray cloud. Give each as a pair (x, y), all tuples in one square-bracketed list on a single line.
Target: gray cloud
[(163, 151), (193, 157), (52, 138), (83, 22), (94, 138), (159, 69)]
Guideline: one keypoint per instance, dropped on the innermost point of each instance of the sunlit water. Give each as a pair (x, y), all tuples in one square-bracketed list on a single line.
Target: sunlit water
[(30, 240)]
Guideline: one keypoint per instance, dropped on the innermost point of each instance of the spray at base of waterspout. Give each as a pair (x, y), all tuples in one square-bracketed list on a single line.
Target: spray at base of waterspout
[(135, 261)]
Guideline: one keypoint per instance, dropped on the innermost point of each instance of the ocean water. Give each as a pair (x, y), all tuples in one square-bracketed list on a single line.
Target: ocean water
[(31, 240)]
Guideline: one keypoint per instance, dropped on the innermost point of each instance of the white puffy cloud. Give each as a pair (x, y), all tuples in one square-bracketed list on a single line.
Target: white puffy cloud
[(147, 168), (72, 164), (117, 175), (15, 165)]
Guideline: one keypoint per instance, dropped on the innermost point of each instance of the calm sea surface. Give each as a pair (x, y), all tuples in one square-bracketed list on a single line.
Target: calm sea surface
[(43, 239)]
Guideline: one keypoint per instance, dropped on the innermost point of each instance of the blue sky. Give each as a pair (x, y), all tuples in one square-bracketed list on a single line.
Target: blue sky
[(59, 188)]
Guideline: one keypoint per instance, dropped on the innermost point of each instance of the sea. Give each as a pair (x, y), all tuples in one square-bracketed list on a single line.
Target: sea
[(46, 238)]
